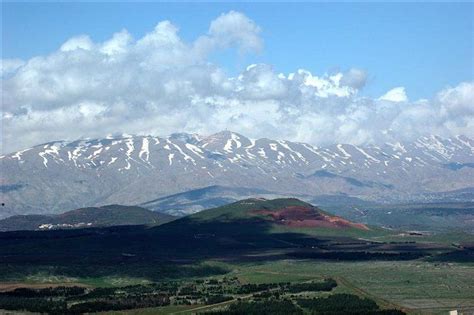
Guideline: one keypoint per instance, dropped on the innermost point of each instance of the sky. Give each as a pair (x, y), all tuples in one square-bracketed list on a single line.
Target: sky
[(313, 72)]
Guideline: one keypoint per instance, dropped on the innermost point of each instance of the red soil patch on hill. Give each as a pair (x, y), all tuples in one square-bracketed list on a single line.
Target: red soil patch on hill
[(300, 216)]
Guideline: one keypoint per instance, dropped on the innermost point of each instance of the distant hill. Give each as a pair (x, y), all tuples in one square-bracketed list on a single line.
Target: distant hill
[(86, 217), (196, 200)]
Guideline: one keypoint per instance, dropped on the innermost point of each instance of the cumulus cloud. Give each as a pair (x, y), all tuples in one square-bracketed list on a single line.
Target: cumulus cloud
[(355, 78), (78, 42), (457, 101), (397, 94), (235, 27), (10, 65), (160, 84)]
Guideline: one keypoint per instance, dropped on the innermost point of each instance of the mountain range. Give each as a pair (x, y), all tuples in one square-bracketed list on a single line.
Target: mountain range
[(184, 173)]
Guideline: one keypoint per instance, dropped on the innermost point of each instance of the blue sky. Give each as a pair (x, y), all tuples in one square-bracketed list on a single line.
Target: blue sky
[(421, 46), (371, 72)]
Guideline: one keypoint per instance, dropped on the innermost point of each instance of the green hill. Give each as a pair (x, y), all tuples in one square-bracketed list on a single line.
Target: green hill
[(290, 213), (243, 209), (86, 217)]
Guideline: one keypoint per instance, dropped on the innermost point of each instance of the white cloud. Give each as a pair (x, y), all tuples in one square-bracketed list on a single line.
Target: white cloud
[(235, 27), (118, 44), (10, 65), (457, 101), (78, 42), (395, 95), (160, 84), (354, 78)]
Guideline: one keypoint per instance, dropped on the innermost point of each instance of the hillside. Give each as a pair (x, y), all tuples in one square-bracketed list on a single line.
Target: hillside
[(288, 212), (86, 217), (196, 200)]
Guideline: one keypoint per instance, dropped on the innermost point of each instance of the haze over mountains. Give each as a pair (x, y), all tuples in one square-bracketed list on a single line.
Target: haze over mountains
[(157, 171)]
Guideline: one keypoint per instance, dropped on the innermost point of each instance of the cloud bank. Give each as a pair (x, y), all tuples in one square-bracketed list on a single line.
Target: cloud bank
[(160, 84)]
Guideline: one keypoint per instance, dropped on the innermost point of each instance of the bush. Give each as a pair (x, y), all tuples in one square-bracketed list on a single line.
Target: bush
[(326, 285), (214, 299)]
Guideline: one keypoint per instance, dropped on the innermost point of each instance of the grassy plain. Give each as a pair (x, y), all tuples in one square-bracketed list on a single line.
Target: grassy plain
[(416, 287)]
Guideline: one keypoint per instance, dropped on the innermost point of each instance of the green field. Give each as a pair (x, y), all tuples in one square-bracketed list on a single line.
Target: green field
[(416, 287)]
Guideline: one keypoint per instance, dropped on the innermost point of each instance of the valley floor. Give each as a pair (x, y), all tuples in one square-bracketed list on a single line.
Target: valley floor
[(415, 287)]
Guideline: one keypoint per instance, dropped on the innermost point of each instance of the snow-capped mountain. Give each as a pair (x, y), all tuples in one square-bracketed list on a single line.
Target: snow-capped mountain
[(59, 176)]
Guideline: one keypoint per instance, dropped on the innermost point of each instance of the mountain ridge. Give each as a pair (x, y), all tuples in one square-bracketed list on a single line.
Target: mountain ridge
[(133, 170)]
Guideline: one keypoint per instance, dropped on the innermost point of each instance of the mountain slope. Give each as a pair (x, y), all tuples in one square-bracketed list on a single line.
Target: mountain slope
[(86, 217), (133, 170), (204, 198)]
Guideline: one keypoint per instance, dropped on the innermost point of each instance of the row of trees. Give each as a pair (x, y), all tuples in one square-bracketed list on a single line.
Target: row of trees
[(119, 304), (251, 287), (214, 299), (341, 304), (46, 292), (326, 285), (36, 305), (55, 306)]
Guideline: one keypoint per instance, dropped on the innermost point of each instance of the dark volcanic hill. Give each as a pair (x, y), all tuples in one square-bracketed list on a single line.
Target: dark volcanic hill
[(86, 217), (287, 212)]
